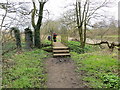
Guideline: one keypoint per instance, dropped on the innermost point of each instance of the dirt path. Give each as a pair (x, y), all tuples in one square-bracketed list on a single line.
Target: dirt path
[(61, 73)]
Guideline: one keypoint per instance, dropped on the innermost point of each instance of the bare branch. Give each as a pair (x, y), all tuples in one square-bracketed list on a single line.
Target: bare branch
[(33, 14)]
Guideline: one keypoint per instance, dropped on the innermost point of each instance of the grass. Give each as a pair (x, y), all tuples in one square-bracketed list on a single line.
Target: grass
[(47, 46), (75, 47), (46, 42), (24, 70), (115, 36), (8, 45), (100, 69)]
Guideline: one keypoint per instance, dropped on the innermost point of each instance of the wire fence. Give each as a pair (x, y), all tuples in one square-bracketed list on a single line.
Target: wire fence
[(8, 41)]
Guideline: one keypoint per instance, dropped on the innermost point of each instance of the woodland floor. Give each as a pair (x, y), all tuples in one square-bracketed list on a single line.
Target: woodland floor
[(61, 74)]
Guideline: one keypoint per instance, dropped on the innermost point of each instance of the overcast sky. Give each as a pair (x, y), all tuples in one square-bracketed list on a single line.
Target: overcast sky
[(56, 7)]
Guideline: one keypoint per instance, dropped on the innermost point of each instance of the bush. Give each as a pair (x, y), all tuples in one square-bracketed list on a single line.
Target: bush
[(75, 47), (46, 42), (47, 46), (110, 80)]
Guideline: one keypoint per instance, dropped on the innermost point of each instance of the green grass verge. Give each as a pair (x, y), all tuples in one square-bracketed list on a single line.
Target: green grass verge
[(100, 70), (24, 70)]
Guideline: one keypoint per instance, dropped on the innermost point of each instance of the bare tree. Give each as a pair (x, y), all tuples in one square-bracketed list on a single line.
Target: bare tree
[(37, 41), (68, 20), (104, 30), (12, 14), (85, 11), (4, 7)]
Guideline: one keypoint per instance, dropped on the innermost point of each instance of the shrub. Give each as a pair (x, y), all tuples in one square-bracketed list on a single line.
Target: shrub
[(75, 47), (110, 80), (46, 42)]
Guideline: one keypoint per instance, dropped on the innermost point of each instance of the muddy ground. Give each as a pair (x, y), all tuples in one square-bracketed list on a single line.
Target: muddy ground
[(61, 74)]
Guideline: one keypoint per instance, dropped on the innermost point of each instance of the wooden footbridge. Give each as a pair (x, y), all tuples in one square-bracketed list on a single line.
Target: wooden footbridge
[(60, 50)]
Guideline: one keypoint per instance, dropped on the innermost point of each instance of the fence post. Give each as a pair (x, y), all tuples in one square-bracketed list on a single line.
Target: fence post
[(17, 37), (28, 38)]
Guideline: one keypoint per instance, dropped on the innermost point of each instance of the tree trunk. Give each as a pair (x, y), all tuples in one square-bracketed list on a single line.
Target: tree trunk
[(17, 38), (84, 41), (81, 38), (37, 41), (80, 24)]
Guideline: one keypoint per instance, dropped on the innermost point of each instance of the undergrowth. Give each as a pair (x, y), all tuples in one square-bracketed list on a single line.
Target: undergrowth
[(24, 70), (47, 46), (46, 42), (75, 47), (100, 70)]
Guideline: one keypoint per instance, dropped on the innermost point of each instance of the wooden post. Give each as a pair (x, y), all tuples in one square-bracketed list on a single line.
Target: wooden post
[(17, 37), (28, 38), (51, 37)]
